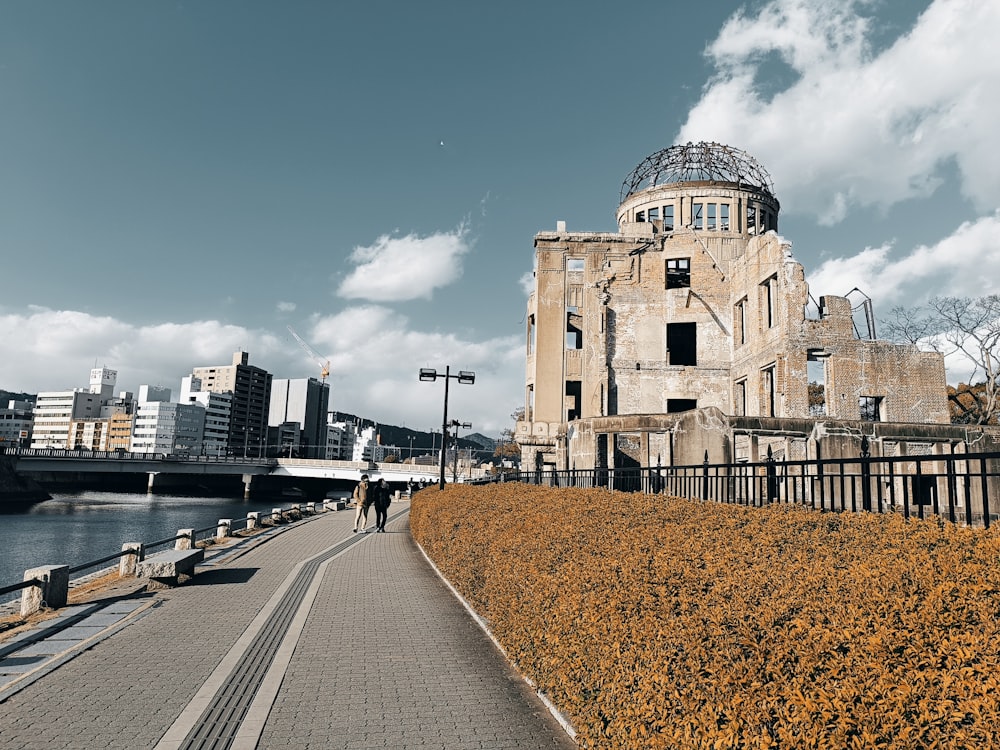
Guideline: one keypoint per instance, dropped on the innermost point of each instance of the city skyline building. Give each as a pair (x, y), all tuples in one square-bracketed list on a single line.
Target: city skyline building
[(303, 402), (251, 389)]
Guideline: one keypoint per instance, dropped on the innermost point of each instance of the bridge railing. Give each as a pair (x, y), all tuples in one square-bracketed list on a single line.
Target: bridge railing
[(123, 455)]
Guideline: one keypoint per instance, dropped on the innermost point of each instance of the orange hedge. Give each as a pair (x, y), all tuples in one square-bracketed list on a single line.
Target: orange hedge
[(664, 623)]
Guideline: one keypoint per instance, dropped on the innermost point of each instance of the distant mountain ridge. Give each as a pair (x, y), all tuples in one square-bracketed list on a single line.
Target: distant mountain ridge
[(8, 396)]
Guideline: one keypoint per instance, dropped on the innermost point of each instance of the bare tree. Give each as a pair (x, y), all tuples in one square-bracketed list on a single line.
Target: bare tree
[(969, 327)]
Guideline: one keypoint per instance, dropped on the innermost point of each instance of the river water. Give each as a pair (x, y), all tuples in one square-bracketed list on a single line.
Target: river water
[(76, 528)]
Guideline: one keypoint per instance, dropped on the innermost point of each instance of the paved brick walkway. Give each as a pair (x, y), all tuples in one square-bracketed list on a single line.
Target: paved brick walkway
[(313, 638)]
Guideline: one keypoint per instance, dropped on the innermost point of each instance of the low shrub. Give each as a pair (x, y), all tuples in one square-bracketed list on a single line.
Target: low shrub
[(663, 623)]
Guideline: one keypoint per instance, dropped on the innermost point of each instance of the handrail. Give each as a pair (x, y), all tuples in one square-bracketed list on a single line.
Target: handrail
[(22, 585), (9, 589)]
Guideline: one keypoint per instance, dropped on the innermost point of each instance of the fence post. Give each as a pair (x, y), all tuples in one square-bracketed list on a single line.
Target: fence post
[(866, 474), (704, 479), (772, 476), (222, 530), (133, 552), (53, 590), (185, 539)]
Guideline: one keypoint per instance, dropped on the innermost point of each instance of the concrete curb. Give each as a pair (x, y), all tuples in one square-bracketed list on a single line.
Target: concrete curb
[(484, 626)]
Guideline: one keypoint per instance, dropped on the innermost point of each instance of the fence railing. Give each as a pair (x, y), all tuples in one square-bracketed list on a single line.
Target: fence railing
[(959, 487), (194, 536)]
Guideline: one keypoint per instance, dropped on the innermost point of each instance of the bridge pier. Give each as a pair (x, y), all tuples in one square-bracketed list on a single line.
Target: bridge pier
[(247, 482)]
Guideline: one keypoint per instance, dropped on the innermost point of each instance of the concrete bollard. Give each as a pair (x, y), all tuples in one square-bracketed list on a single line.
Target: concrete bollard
[(52, 591), (341, 505), (222, 531), (275, 515), (126, 564), (185, 540), (253, 520), (311, 509), (327, 505)]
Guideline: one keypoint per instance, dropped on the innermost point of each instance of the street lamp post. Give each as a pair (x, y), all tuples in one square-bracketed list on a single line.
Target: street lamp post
[(428, 375), (454, 462)]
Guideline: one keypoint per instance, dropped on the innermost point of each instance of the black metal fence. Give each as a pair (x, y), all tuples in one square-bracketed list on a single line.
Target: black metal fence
[(958, 487)]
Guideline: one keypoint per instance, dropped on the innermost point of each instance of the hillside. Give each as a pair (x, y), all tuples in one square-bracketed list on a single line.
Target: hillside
[(7, 396)]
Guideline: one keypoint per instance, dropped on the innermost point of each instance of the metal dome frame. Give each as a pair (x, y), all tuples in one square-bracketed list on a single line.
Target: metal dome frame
[(695, 162)]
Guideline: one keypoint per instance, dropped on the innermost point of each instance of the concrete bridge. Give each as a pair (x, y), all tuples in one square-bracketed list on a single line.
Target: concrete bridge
[(227, 475)]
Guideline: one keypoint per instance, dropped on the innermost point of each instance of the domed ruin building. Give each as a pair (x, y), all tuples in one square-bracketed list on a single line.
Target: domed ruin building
[(692, 329)]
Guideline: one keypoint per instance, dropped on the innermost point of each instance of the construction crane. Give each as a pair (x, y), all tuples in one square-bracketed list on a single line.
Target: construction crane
[(324, 365)]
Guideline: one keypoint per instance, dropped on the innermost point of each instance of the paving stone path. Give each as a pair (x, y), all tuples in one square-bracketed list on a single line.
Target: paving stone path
[(311, 637)]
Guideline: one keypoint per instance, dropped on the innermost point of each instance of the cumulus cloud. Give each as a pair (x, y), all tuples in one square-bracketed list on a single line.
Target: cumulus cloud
[(948, 267), (286, 307), (375, 355), (873, 128), (395, 269), (527, 283)]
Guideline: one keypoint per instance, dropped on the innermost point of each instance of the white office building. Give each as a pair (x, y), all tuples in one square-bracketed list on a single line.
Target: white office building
[(55, 410), (218, 410), (364, 444), (162, 426)]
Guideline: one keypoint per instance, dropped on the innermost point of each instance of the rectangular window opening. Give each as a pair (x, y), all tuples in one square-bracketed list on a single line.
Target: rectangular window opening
[(668, 218), (574, 264), (678, 273), (740, 398), (682, 343), (711, 217), (697, 215), (769, 301), (816, 371), (675, 405), (574, 331), (740, 323), (769, 392), (870, 408), (573, 394)]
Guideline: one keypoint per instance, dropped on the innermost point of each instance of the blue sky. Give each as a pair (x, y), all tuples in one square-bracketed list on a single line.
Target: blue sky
[(182, 180)]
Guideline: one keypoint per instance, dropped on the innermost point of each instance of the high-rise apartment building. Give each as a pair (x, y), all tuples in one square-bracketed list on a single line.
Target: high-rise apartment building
[(303, 402), (251, 389), (218, 409)]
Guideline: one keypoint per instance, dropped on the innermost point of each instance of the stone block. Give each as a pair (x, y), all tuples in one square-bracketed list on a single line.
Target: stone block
[(52, 591)]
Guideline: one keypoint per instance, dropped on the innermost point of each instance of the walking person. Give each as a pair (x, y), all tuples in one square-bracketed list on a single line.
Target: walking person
[(362, 500), (382, 500)]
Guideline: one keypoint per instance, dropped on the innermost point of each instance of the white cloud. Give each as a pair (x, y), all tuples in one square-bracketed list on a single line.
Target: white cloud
[(857, 128), (375, 357), (395, 269), (527, 283), (952, 267), (286, 307), (374, 354)]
